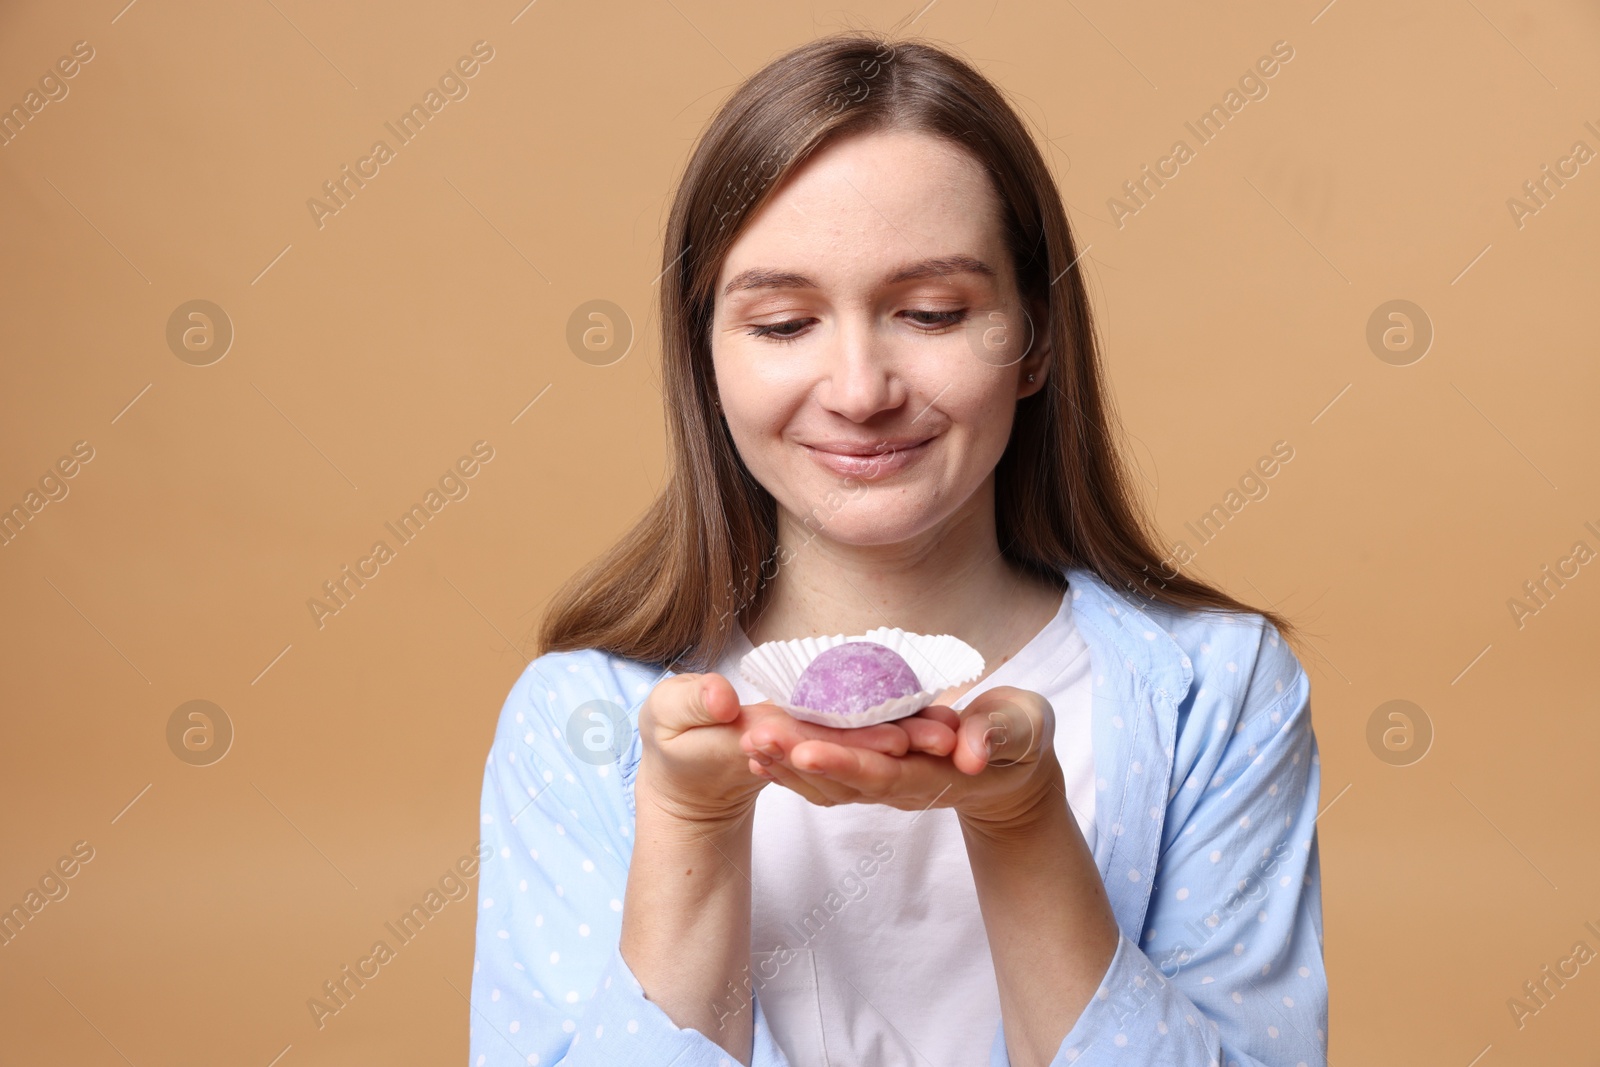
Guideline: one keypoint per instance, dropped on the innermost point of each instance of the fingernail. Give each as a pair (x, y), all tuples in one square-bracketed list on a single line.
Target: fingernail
[(762, 759), (772, 750)]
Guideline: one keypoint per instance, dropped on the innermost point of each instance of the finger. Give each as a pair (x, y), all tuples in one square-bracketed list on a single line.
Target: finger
[(934, 737), (820, 782), (938, 713), (885, 737), (798, 783), (775, 764), (860, 770), (912, 782), (777, 735)]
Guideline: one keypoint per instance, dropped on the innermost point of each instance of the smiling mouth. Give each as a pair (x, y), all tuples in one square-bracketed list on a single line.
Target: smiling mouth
[(880, 463), (881, 448)]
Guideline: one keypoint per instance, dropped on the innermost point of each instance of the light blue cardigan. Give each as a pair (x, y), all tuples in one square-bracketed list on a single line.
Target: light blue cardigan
[(1208, 780)]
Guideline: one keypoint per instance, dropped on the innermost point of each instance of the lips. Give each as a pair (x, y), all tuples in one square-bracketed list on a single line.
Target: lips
[(869, 448), (868, 462)]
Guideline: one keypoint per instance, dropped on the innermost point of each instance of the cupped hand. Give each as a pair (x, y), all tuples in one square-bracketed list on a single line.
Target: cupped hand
[(690, 728), (1001, 760)]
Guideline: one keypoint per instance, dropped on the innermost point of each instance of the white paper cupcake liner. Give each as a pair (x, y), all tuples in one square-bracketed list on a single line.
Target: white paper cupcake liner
[(939, 661)]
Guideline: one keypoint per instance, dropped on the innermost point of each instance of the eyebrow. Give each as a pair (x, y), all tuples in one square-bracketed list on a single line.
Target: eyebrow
[(938, 266)]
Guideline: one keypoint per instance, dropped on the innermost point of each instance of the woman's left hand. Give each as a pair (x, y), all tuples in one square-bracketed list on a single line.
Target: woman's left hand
[(998, 787)]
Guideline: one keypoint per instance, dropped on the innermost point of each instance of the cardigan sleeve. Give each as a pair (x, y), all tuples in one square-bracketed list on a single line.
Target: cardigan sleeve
[(1232, 974), (550, 985)]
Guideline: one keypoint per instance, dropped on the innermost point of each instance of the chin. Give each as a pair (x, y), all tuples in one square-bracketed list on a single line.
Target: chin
[(863, 525)]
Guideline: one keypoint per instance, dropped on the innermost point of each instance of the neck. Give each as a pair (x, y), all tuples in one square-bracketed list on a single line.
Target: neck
[(949, 579)]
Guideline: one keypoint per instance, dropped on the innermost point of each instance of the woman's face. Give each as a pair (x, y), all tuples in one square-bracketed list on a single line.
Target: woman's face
[(871, 394)]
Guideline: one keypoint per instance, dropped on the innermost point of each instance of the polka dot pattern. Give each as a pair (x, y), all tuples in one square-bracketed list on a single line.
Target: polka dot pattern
[(1207, 781), (1232, 911)]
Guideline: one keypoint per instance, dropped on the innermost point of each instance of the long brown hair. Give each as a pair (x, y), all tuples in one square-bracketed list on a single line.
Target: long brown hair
[(665, 592)]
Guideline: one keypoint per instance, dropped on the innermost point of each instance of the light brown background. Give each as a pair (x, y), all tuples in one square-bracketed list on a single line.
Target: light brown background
[(428, 314)]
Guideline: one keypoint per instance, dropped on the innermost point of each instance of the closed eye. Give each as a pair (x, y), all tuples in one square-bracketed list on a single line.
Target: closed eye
[(792, 329)]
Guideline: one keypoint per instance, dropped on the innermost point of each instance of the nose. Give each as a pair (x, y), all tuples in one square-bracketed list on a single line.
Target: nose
[(859, 378)]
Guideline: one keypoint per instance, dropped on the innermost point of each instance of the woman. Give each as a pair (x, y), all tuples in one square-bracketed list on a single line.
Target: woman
[(885, 409)]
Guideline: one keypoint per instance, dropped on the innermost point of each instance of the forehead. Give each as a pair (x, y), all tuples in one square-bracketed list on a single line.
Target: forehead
[(865, 205)]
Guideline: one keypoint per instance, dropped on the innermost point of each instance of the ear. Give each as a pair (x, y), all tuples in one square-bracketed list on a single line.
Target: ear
[(1038, 362)]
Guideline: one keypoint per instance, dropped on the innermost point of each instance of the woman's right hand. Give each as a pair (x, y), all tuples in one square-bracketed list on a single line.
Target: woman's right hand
[(692, 767)]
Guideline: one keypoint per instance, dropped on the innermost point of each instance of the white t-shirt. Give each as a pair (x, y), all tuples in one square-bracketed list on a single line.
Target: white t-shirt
[(867, 943)]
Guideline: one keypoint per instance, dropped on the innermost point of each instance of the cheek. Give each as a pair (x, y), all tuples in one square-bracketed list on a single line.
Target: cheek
[(979, 430), (760, 396), (981, 409), (750, 441), (756, 419)]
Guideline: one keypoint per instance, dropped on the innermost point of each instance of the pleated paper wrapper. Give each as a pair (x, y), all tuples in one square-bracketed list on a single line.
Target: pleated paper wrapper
[(938, 660)]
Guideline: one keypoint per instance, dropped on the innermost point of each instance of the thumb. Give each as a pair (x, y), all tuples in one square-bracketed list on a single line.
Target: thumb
[(996, 730), (710, 701)]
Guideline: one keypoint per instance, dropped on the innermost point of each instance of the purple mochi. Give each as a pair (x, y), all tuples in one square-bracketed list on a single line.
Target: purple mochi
[(854, 676)]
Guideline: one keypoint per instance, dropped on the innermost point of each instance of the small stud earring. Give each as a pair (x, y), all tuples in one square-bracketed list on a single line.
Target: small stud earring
[(1030, 377)]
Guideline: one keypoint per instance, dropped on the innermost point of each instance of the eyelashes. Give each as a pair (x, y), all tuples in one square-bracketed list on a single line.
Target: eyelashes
[(940, 321)]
